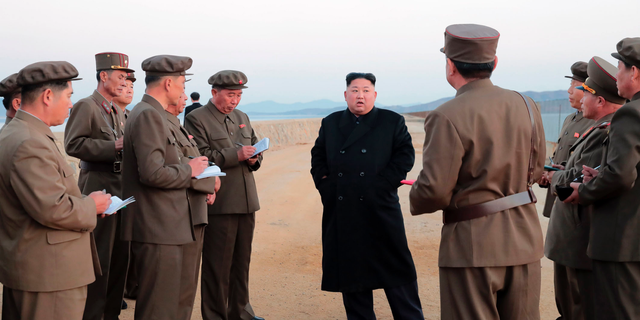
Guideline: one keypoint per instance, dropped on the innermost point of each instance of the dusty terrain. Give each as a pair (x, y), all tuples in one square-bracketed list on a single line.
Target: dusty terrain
[(286, 261)]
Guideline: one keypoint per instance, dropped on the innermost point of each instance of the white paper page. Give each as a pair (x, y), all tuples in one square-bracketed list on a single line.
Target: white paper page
[(211, 171), (261, 146)]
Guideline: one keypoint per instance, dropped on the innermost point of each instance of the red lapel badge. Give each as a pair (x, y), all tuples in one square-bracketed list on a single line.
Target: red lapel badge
[(190, 137), (242, 126), (576, 135)]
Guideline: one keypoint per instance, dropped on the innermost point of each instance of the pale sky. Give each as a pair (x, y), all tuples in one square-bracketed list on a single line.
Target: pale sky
[(300, 51)]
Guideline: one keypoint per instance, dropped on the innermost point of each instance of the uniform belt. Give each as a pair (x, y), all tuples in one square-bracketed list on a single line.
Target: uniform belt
[(484, 209), (115, 167)]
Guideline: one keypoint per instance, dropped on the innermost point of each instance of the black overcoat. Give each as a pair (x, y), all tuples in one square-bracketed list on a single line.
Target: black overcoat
[(363, 237)]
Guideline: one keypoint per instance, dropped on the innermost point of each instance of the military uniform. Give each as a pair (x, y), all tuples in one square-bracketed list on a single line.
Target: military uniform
[(197, 196), (573, 127), (614, 241), (484, 145), (159, 224), (227, 244), (47, 253), (94, 125), (568, 232)]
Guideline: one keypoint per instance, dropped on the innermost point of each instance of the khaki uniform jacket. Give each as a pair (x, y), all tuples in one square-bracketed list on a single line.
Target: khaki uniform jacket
[(476, 150), (90, 136), (615, 192), (568, 232), (199, 189), (572, 129), (154, 173), (45, 222), (217, 139)]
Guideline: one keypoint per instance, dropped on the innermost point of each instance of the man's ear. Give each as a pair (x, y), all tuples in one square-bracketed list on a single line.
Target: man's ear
[(168, 83), (214, 92), (47, 97), (345, 95), (15, 103), (103, 76), (451, 67)]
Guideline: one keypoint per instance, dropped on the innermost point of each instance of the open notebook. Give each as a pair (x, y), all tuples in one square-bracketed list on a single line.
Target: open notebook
[(211, 171), (117, 204)]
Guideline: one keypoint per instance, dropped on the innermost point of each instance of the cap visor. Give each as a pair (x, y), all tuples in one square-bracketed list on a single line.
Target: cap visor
[(442, 49), (75, 79), (581, 88), (617, 56)]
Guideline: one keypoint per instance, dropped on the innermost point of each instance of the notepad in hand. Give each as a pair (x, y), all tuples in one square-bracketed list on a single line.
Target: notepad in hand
[(117, 204), (261, 146), (211, 171)]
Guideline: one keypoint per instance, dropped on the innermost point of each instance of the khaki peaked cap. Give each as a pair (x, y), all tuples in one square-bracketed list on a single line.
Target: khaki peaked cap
[(9, 85), (628, 51), (602, 80), (470, 43), (167, 65), (579, 71), (112, 61), (131, 76), (229, 79), (47, 71)]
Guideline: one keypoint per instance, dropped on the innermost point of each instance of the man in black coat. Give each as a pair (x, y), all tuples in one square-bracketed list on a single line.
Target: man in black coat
[(357, 163), (195, 104)]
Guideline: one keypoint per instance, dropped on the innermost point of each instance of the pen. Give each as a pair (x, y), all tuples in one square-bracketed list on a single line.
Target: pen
[(551, 161), (210, 163), (582, 176), (240, 144)]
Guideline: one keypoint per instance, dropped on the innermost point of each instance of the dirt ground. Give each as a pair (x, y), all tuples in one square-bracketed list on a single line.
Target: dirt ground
[(287, 253)]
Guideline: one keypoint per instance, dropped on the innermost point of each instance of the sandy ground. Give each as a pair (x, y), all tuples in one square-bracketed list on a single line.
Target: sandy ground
[(286, 261)]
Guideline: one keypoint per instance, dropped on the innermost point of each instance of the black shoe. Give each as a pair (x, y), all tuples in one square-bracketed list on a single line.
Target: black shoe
[(257, 318), (124, 305)]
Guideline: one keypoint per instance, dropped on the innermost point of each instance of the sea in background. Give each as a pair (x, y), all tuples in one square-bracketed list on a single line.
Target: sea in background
[(552, 122)]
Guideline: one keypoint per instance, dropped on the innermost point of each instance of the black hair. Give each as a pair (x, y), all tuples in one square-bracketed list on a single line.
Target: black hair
[(627, 65), (151, 79), (359, 75), (474, 70), (6, 101), (108, 71), (195, 96), (217, 88), (30, 93)]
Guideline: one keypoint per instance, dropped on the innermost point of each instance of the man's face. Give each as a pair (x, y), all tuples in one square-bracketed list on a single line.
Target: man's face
[(176, 90), (624, 81), (115, 82), (226, 100), (127, 95), (60, 105), (589, 105), (575, 95), (360, 96), (182, 103)]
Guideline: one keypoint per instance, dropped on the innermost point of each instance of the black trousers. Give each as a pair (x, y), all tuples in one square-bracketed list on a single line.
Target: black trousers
[(403, 300)]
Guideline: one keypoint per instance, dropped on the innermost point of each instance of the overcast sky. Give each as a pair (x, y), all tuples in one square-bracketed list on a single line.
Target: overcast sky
[(299, 51)]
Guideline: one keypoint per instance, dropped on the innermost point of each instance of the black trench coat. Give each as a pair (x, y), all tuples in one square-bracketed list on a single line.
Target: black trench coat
[(363, 237)]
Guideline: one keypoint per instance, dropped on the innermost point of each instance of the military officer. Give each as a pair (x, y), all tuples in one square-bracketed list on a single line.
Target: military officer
[(574, 125), (47, 257), (224, 135), (159, 224), (614, 194), (482, 152), (568, 232), (123, 100), (198, 194), (94, 135), (10, 92)]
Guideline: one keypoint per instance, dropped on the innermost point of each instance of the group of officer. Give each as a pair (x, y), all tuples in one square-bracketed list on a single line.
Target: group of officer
[(61, 257)]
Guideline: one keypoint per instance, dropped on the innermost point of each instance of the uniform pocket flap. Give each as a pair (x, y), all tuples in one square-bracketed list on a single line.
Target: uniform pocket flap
[(106, 130), (218, 136), (55, 237), (184, 143), (67, 171)]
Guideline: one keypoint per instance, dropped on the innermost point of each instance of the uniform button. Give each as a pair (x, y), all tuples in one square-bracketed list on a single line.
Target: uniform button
[(231, 133), (339, 197), (364, 150), (361, 198), (340, 174), (560, 148), (342, 151), (566, 133), (362, 174)]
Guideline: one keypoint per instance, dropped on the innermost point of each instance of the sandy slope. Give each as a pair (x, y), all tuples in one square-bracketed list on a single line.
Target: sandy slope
[(287, 253)]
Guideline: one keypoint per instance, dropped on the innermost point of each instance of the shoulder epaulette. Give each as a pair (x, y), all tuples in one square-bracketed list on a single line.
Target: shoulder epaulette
[(604, 125)]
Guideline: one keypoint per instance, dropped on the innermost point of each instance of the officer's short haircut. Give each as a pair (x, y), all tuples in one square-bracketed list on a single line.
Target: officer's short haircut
[(359, 75), (148, 80), (474, 70), (217, 88), (6, 102), (627, 65), (195, 96), (30, 93), (109, 71)]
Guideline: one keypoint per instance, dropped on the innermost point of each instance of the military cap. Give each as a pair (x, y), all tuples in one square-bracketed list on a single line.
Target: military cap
[(9, 85), (579, 71), (47, 71), (167, 65), (131, 76), (628, 51), (470, 43), (602, 80), (112, 61), (229, 79)]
